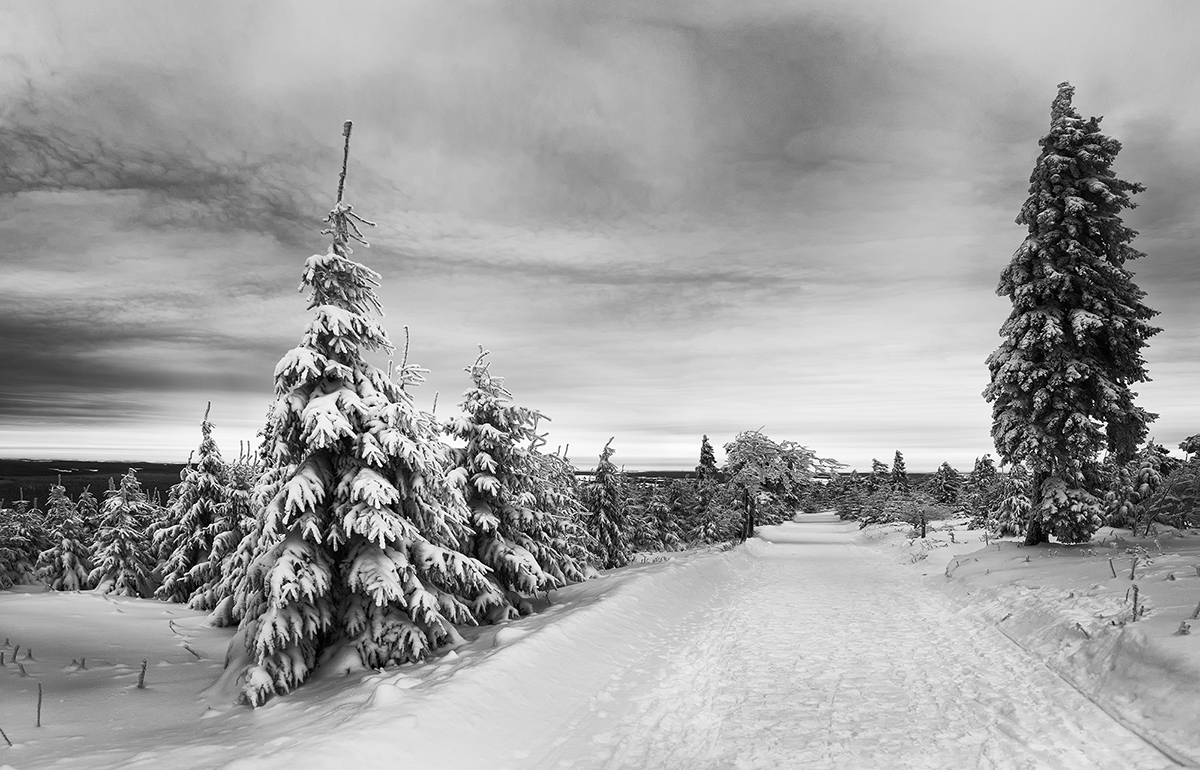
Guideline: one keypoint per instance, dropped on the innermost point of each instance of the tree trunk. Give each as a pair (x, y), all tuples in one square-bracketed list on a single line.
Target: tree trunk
[(1034, 533), (748, 518)]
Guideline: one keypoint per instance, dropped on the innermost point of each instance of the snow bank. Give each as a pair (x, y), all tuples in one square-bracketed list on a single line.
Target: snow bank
[(1064, 605), (470, 705)]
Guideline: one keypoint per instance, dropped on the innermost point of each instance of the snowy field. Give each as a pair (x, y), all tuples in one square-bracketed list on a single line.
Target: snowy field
[(813, 646)]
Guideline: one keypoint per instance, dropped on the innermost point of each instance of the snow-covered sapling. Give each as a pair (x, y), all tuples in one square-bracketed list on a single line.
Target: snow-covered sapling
[(1137, 555), (142, 676)]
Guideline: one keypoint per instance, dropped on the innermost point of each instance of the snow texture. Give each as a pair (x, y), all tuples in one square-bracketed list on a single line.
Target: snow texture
[(804, 648)]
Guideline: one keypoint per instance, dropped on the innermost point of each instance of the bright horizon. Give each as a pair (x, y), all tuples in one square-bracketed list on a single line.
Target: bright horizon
[(664, 220)]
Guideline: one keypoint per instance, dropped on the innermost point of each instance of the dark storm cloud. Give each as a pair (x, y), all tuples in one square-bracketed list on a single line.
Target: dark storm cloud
[(71, 140), (79, 359)]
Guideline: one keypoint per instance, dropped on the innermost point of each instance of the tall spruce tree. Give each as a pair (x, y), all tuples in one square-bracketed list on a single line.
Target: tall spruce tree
[(1060, 380), (520, 530), (359, 543)]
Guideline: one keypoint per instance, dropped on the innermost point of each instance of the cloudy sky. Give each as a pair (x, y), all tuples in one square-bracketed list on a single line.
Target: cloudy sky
[(664, 218)]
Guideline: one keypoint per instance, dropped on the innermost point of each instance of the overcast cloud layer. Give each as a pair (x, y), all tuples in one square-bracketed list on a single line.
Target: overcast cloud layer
[(664, 218)]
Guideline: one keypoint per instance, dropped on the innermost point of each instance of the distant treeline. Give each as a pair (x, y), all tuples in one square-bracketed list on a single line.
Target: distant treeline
[(31, 479)]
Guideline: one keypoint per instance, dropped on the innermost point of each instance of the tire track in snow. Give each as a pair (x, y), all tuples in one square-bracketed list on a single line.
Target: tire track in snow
[(822, 655)]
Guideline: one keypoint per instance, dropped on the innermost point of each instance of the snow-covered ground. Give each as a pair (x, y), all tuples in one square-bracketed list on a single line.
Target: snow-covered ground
[(1065, 605), (814, 646)]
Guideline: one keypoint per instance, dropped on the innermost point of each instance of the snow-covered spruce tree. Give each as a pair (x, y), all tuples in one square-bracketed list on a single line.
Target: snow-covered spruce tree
[(265, 476), (88, 510), (218, 574), (880, 477), (519, 529), (850, 495), (18, 548), (58, 507), (707, 469), (944, 485), (653, 525), (198, 507), (683, 500), (561, 496), (666, 521), (66, 564), (121, 555), (27, 536), (641, 529), (1060, 380), (1177, 501), (981, 491), (1136, 485), (1011, 513), (703, 520), (899, 474), (604, 496), (360, 544)]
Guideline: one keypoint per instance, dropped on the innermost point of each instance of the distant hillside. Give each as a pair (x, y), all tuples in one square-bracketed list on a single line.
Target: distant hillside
[(31, 479)]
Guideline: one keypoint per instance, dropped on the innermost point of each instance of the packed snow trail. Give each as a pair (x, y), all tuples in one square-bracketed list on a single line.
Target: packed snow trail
[(821, 654), (800, 649)]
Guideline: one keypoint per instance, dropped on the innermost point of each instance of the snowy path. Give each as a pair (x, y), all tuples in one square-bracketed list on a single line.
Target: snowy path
[(798, 650), (823, 655)]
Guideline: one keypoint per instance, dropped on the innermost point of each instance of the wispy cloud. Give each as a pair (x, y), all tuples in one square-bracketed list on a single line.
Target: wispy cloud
[(665, 218)]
